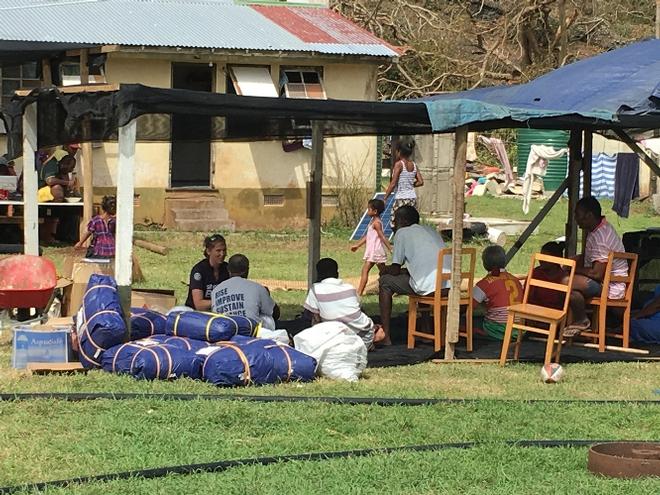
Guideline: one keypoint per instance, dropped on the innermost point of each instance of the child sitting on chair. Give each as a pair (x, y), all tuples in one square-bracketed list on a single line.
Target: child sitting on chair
[(496, 291), (550, 272)]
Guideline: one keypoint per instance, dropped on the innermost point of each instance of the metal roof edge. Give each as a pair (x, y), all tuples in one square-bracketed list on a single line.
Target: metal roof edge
[(245, 52)]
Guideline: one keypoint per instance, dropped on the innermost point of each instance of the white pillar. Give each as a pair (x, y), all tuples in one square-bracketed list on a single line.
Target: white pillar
[(124, 237), (30, 182)]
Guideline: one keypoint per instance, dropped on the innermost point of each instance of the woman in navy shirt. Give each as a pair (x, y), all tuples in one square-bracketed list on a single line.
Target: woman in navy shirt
[(208, 273)]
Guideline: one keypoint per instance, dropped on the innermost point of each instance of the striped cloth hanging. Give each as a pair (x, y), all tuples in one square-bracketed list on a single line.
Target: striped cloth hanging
[(603, 170)]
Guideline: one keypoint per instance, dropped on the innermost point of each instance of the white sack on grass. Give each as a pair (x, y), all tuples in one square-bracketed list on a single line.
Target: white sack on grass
[(279, 336), (341, 354), (179, 309)]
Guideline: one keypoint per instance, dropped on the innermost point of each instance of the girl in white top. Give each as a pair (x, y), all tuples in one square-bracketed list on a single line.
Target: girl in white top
[(405, 177)]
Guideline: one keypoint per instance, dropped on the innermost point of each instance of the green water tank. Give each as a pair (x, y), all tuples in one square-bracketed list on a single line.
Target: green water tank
[(557, 168)]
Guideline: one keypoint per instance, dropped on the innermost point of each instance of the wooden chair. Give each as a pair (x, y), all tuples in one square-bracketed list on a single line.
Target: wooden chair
[(438, 301), (603, 302), (521, 314)]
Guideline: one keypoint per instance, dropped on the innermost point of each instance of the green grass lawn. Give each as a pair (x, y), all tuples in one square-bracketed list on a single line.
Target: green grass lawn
[(49, 439)]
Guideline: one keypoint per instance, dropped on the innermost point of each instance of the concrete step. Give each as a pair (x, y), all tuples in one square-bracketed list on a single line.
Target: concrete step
[(204, 225), (203, 202), (199, 214)]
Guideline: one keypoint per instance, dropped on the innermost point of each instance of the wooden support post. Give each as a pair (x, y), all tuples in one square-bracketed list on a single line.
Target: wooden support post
[(86, 153), (30, 182), (124, 237), (536, 220), (46, 74), (586, 172), (640, 152), (84, 66), (314, 196), (453, 306), (574, 166)]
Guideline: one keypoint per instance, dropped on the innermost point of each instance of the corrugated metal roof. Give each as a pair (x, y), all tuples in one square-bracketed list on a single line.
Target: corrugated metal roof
[(217, 24)]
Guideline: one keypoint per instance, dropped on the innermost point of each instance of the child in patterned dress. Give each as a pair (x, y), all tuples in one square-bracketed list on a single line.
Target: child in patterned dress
[(376, 242), (101, 229)]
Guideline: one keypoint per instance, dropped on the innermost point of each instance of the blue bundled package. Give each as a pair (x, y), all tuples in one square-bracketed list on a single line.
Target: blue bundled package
[(209, 327), (151, 362), (145, 322), (100, 321), (230, 364)]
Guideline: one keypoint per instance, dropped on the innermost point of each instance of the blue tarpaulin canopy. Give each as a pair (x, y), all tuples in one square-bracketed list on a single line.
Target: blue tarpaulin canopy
[(616, 89)]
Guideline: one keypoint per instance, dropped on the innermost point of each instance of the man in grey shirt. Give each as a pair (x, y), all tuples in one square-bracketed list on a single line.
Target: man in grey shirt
[(417, 247), (239, 296)]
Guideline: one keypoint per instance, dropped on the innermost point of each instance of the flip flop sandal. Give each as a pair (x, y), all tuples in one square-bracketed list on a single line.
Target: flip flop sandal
[(576, 329)]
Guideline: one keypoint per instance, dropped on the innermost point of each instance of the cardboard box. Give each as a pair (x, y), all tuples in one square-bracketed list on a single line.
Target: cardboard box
[(45, 344), (80, 273), (160, 300)]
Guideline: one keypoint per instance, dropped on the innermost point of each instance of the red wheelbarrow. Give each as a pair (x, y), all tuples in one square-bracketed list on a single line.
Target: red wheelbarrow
[(27, 282)]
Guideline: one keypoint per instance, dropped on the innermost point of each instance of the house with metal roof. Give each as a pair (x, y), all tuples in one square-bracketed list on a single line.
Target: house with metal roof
[(269, 49)]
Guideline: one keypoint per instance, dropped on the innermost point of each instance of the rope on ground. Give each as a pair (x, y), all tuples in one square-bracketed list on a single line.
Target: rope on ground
[(219, 466), (353, 401)]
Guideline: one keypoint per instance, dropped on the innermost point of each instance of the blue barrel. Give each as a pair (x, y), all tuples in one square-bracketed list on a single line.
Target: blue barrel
[(557, 169)]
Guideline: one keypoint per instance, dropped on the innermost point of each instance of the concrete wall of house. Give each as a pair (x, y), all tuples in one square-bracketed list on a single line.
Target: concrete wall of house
[(434, 155), (244, 172)]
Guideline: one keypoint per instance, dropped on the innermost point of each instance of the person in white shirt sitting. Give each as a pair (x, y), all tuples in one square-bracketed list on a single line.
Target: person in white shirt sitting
[(416, 247)]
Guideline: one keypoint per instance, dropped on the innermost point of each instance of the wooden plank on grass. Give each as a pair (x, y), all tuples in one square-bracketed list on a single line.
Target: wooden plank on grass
[(37, 368), (150, 246)]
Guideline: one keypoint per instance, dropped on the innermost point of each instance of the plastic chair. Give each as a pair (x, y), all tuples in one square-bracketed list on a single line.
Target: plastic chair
[(603, 302), (521, 314), (437, 301)]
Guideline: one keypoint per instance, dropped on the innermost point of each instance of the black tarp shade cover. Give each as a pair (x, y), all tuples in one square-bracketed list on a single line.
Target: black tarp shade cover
[(235, 118)]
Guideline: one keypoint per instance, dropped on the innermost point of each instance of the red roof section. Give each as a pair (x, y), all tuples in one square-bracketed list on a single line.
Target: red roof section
[(319, 25)]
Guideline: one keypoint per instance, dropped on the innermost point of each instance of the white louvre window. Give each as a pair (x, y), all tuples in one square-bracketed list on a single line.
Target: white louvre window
[(329, 200), (273, 199), (252, 81)]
